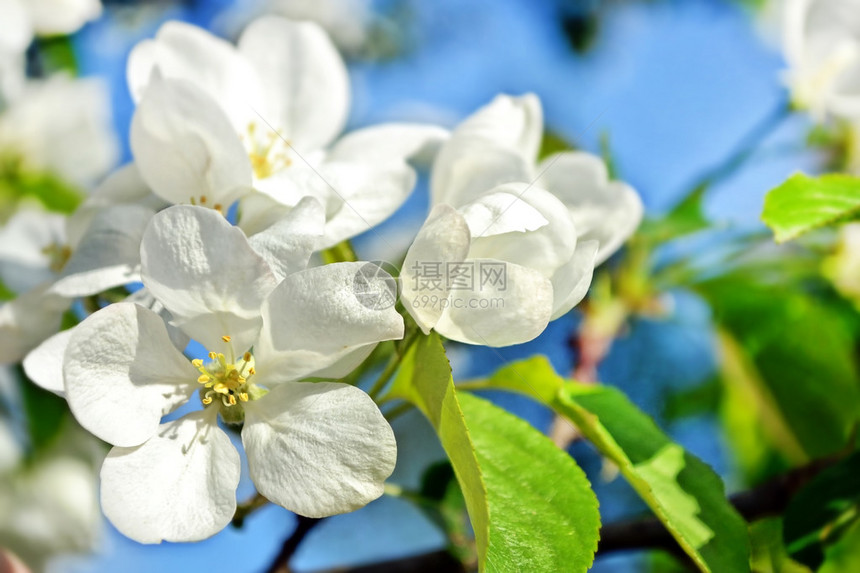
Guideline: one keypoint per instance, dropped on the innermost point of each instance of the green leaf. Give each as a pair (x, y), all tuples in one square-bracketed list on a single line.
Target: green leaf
[(50, 190), (684, 493), (531, 506), (768, 552), (819, 514), (45, 411), (804, 203), (798, 353), (844, 555)]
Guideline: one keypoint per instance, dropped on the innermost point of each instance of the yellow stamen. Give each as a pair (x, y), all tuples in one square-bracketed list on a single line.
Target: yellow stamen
[(203, 379), (252, 371), (225, 338), (197, 363), (247, 357), (243, 396), (212, 355)]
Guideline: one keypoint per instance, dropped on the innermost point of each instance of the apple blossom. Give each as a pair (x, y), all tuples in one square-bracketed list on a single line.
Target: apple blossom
[(217, 123), (822, 45), (547, 224), (314, 448)]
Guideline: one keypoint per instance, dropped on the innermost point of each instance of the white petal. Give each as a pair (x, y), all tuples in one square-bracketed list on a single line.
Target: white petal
[(495, 315), (108, 254), (413, 142), (122, 374), (317, 316), (366, 193), (570, 283), (23, 240), (204, 271), (515, 123), (603, 210), (287, 245), (544, 249), (16, 31), (318, 449), (27, 321), (44, 364), (183, 51), (443, 239), (303, 77), (466, 168), (500, 211), (186, 148), (53, 17), (178, 486), (145, 299)]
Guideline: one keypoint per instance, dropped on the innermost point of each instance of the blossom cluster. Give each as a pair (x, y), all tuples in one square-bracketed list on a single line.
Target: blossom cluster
[(242, 175)]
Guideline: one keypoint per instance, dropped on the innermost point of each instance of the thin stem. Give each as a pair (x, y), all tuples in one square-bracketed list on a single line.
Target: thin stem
[(243, 510), (391, 367), (398, 411)]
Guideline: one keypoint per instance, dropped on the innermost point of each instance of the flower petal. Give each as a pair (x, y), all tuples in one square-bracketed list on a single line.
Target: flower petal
[(178, 486), (500, 210), (44, 364), (444, 238), (544, 249), (51, 18), (287, 245), (23, 240), (186, 148), (570, 283), (122, 374), (468, 167), (367, 194), (515, 123), (303, 77), (184, 51), (204, 271), (315, 317), (318, 449), (108, 254), (413, 142), (603, 210), (499, 315), (25, 322)]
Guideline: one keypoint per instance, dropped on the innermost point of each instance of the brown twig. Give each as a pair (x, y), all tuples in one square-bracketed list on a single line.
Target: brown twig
[(281, 562)]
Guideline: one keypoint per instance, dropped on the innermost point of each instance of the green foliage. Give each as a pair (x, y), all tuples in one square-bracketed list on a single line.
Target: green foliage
[(805, 203), (768, 551), (684, 493), (46, 413), (17, 184), (794, 356), (532, 509), (822, 521)]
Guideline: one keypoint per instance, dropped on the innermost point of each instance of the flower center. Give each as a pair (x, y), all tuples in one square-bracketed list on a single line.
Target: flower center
[(225, 381), (268, 151), (58, 255)]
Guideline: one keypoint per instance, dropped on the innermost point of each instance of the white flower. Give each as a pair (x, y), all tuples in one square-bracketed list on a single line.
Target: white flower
[(215, 121), (50, 259), (63, 126), (314, 448), (546, 224), (822, 45)]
